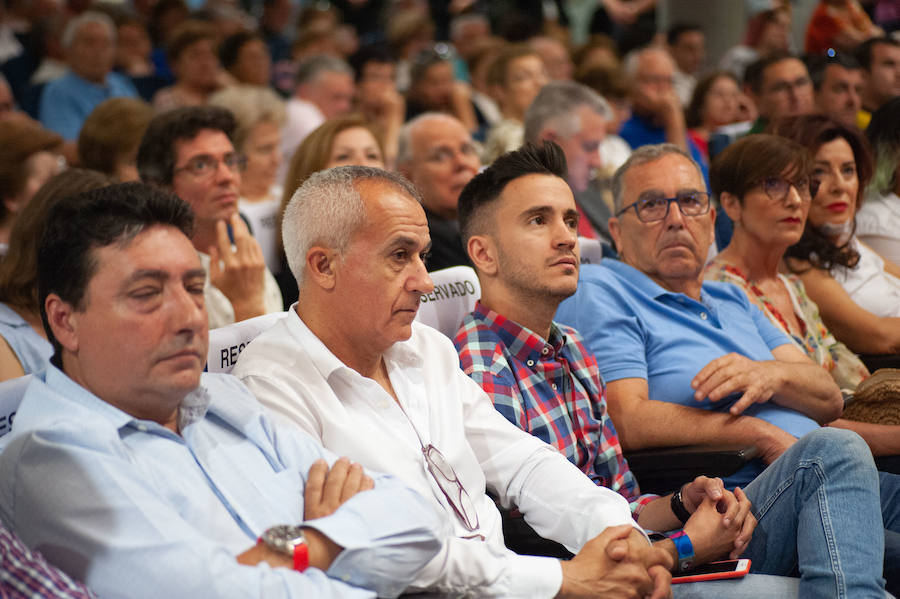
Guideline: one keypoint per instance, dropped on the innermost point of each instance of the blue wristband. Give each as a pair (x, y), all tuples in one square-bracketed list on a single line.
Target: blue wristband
[(685, 550)]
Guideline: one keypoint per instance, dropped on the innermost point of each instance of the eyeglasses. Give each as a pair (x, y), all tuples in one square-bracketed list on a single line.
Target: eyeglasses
[(205, 165), (448, 482), (651, 210), (778, 188), (450, 485)]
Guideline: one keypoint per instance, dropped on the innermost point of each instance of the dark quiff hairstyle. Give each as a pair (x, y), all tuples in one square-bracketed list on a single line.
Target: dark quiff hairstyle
[(156, 154), (812, 131), (748, 161), (486, 186), (694, 112), (18, 270), (79, 224)]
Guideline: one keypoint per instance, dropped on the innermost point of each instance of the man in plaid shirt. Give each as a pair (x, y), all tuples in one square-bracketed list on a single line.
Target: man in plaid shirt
[(538, 373)]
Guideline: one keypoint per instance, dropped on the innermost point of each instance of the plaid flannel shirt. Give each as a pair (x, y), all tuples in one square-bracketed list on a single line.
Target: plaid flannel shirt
[(551, 389), (25, 574)]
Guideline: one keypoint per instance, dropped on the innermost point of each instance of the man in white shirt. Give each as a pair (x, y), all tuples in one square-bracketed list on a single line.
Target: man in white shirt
[(349, 366)]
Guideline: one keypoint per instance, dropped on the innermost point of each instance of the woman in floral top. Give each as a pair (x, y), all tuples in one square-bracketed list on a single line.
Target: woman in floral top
[(762, 182)]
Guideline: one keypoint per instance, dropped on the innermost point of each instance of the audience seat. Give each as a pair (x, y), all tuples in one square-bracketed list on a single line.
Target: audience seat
[(11, 393), (456, 290), (226, 343)]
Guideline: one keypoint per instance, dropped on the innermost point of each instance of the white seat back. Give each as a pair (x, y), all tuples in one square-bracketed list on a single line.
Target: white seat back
[(456, 290), (11, 393), (226, 343), (591, 250)]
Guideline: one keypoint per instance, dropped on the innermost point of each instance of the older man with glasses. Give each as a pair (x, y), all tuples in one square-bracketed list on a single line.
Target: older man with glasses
[(349, 366), (189, 151)]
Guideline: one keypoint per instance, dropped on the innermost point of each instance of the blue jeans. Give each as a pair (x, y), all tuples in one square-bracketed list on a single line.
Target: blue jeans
[(819, 513)]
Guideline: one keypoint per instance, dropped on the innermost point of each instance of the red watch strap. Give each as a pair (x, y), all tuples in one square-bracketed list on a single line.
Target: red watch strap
[(301, 557)]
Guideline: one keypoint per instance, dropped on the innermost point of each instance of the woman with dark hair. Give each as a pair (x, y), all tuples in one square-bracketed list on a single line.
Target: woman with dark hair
[(246, 57), (23, 344), (857, 291), (878, 221), (763, 182)]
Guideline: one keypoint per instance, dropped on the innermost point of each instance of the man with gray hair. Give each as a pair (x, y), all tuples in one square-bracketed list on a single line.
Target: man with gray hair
[(351, 367), (90, 44), (323, 89), (573, 116), (436, 153)]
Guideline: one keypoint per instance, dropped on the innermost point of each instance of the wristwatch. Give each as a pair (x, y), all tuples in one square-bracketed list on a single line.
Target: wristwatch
[(685, 550), (288, 539), (677, 505)]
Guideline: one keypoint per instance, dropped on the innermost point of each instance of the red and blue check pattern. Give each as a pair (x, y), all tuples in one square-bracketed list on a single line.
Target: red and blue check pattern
[(25, 574), (551, 389)]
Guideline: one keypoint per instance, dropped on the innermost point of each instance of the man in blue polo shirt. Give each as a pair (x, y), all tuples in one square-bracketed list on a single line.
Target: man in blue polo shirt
[(90, 43)]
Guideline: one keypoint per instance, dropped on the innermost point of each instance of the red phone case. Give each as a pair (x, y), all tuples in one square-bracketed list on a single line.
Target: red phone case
[(714, 575)]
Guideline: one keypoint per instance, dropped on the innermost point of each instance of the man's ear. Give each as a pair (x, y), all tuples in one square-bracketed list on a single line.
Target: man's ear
[(482, 252), (615, 230), (63, 321), (731, 205), (321, 266)]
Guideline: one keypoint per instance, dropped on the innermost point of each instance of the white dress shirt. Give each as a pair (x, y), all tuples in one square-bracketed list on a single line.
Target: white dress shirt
[(291, 371)]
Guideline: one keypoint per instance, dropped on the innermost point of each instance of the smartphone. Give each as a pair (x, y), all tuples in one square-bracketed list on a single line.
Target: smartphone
[(734, 568)]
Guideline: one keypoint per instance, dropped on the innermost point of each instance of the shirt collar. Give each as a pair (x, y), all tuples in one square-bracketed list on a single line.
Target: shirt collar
[(192, 408), (524, 344), (327, 363), (645, 284)]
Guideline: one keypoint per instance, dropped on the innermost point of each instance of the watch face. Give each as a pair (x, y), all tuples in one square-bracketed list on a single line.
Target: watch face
[(283, 538)]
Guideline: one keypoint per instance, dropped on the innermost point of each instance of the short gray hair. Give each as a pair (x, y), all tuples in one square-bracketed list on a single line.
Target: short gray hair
[(312, 67), (90, 16), (404, 138), (328, 209), (556, 103), (643, 155)]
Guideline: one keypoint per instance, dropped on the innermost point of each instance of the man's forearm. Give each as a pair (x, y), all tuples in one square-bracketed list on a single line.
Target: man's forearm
[(807, 389)]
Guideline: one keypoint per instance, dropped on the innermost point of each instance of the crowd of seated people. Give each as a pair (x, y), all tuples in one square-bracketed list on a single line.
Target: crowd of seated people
[(172, 168)]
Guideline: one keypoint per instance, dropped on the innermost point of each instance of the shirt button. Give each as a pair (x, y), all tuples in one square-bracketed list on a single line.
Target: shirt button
[(553, 385), (545, 351), (142, 428), (530, 362), (703, 315)]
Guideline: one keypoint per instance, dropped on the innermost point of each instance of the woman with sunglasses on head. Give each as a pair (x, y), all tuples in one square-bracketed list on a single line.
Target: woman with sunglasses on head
[(857, 291)]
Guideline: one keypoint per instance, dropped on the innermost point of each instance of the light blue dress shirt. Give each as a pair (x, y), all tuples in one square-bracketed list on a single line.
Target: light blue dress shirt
[(638, 329), (66, 102), (32, 350), (135, 510)]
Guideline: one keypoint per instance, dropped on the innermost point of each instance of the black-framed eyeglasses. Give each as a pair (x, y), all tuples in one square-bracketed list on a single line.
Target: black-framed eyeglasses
[(650, 210), (204, 165), (450, 485), (778, 188)]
